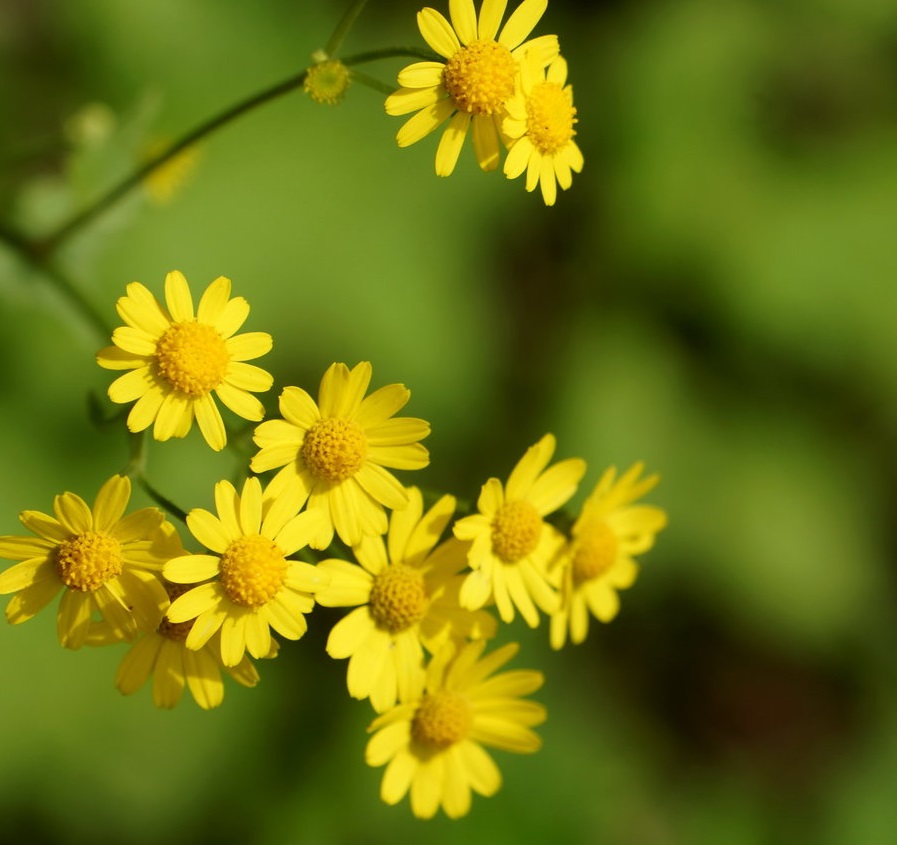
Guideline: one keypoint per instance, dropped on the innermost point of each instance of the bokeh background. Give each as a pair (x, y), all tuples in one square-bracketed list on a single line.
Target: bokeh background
[(714, 296)]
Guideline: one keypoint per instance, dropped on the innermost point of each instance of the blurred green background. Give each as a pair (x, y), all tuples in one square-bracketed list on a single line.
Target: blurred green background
[(714, 296)]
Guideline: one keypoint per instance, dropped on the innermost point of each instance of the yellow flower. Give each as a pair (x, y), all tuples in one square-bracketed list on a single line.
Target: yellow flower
[(255, 587), (512, 544), (164, 182), (327, 81), (408, 596), (103, 562), (164, 655), (540, 126), (178, 359), (475, 82), (335, 451), (598, 560), (432, 743)]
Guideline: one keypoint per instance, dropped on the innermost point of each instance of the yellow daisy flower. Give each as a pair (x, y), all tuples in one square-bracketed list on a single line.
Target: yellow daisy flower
[(103, 561), (432, 743), (540, 127), (164, 655), (512, 544), (407, 591), (178, 358), (475, 82), (598, 560), (255, 587), (335, 451)]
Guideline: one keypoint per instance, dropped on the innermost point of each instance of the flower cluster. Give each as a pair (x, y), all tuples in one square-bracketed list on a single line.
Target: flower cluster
[(498, 84), (332, 526)]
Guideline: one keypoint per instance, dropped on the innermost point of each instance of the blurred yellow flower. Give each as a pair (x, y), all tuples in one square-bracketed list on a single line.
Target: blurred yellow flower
[(407, 591), (512, 544), (178, 358), (327, 81), (102, 560), (540, 128), (475, 82), (598, 560), (256, 587), (164, 182), (335, 451), (432, 742)]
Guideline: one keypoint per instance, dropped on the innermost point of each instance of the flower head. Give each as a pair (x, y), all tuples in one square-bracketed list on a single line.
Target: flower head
[(540, 128), (255, 586), (178, 358), (335, 451), (405, 595), (474, 83), (327, 81), (598, 560), (101, 560), (163, 654), (512, 544), (432, 742)]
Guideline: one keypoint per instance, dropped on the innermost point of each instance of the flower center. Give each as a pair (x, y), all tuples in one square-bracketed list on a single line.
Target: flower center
[(192, 357), (480, 77), (252, 570), (441, 719), (87, 561), (515, 531), (326, 82), (334, 449), (398, 598), (550, 116), (176, 631), (595, 553)]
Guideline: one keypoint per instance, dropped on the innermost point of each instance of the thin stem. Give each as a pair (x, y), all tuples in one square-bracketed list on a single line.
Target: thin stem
[(53, 240), (32, 254), (370, 82), (163, 502), (391, 53), (79, 220), (343, 27), (85, 308)]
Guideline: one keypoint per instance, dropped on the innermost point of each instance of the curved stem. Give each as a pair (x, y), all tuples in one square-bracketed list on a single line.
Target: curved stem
[(52, 241), (343, 27)]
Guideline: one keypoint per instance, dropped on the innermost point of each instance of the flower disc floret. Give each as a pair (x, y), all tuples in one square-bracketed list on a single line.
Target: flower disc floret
[(398, 598), (192, 357), (441, 719), (595, 553), (252, 570), (515, 531), (327, 81), (550, 116), (87, 561), (335, 449), (480, 77)]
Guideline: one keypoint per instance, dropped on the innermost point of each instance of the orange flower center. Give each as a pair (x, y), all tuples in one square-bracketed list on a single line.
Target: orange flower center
[(594, 553), (87, 561), (334, 449), (550, 116), (480, 77), (252, 570), (398, 598), (192, 357), (515, 531), (441, 719)]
